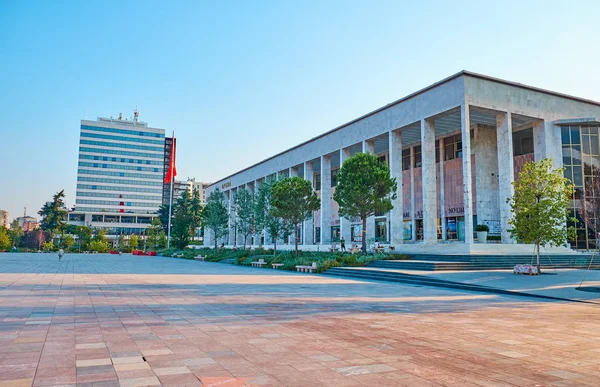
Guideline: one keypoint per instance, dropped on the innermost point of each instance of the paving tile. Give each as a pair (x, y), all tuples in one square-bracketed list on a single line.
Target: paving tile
[(93, 319)]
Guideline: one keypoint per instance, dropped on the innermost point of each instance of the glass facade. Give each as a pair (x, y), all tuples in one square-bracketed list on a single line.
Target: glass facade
[(581, 158), (119, 145), (120, 138), (123, 131), (120, 166), (118, 152), (99, 172), (116, 181), (122, 189), (121, 160)]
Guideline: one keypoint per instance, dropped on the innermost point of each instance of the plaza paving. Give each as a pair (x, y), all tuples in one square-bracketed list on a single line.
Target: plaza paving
[(131, 321)]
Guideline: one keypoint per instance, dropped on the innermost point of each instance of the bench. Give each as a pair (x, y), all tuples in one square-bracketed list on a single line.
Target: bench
[(525, 269), (307, 269), (176, 255), (333, 248), (276, 265), (199, 258), (354, 249), (260, 263)]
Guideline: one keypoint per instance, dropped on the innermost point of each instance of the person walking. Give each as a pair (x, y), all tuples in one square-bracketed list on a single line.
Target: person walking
[(343, 245), (61, 252)]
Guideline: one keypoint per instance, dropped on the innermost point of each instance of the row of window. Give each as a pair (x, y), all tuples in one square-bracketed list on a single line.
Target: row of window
[(118, 152), (127, 211), (118, 145), (115, 203), (118, 166), (121, 160), (120, 189), (119, 174), (116, 196), (116, 181), (123, 131), (121, 138)]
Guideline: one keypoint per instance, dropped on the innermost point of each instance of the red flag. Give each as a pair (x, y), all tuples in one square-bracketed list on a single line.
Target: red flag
[(172, 172)]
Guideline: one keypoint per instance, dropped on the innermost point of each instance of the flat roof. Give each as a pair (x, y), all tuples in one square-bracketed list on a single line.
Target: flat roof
[(412, 95)]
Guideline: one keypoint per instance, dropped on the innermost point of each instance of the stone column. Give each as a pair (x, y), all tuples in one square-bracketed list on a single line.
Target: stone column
[(547, 142), (428, 181), (325, 200), (396, 215), (466, 166), (345, 226), (442, 190), (308, 226), (368, 146), (506, 172), (413, 221)]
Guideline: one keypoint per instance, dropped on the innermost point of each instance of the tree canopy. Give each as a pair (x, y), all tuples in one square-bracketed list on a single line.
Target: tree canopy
[(263, 216), (54, 213), (214, 214), (294, 201), (364, 188), (244, 213), (540, 205)]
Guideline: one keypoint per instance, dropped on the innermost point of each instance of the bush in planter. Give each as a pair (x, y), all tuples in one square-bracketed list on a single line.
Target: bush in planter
[(482, 227)]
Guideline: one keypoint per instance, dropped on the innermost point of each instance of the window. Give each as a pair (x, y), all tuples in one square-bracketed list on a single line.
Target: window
[(437, 151), (118, 152), (317, 180), (335, 233), (317, 234), (121, 138), (334, 179), (418, 160), (523, 142), (122, 131), (406, 159), (356, 230), (382, 159), (380, 230), (452, 147)]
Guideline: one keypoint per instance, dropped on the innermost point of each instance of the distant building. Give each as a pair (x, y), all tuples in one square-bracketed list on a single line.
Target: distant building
[(4, 219), (28, 223), (120, 175), (190, 185)]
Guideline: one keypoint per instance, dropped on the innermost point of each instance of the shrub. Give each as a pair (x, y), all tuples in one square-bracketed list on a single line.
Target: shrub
[(482, 227), (99, 246)]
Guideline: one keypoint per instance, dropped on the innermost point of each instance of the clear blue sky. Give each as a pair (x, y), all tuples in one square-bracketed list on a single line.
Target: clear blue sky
[(241, 80)]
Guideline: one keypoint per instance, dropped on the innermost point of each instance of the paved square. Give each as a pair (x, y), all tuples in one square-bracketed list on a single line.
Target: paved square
[(102, 320)]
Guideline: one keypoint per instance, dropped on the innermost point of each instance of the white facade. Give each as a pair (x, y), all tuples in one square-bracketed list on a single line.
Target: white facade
[(424, 139), (119, 176)]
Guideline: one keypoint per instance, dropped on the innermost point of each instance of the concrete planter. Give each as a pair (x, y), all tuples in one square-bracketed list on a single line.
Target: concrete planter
[(482, 236)]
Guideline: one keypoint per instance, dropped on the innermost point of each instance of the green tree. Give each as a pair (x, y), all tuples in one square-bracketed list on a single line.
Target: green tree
[(244, 213), (214, 214), (263, 217), (294, 201), (121, 240), (99, 242), (153, 232), (540, 206), (68, 241), (162, 240), (5, 242), (163, 216), (364, 188), (48, 246), (182, 221), (54, 214), (196, 212), (84, 236), (134, 241), (16, 233)]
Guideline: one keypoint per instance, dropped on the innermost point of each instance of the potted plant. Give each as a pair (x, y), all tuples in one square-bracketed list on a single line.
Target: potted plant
[(482, 231)]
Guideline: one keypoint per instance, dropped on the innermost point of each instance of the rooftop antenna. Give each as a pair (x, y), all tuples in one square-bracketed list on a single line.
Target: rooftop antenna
[(120, 116), (136, 114), (24, 211)]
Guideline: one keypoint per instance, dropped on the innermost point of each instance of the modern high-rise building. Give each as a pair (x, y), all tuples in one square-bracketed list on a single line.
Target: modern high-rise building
[(119, 176)]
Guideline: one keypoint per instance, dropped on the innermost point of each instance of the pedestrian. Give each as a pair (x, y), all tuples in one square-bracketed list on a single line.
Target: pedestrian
[(343, 244), (60, 254)]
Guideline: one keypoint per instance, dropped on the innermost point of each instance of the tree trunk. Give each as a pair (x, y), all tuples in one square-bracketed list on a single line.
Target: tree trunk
[(296, 237), (274, 246), (364, 234), (216, 241)]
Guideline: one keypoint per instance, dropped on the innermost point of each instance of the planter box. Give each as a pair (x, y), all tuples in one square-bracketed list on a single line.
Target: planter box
[(482, 236)]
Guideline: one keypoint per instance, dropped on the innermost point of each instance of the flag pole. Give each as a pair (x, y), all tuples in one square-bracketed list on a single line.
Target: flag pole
[(171, 195)]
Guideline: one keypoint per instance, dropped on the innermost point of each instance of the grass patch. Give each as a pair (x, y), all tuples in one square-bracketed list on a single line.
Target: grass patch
[(289, 260)]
